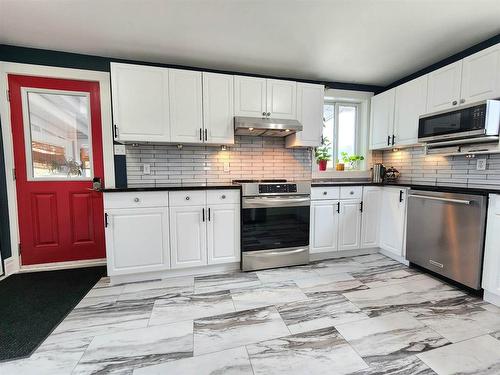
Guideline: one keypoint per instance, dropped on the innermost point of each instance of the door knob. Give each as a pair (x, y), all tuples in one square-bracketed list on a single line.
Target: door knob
[(454, 102), (136, 200)]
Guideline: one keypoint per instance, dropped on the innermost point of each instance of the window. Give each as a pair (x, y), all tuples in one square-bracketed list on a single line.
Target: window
[(340, 129)]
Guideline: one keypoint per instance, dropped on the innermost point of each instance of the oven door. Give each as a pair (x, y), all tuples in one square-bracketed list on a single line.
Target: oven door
[(462, 123), (275, 222)]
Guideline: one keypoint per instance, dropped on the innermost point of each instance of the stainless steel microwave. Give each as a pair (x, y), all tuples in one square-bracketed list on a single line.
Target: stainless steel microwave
[(471, 122)]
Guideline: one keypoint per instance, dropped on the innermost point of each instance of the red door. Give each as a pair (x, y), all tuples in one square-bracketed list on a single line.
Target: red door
[(56, 129)]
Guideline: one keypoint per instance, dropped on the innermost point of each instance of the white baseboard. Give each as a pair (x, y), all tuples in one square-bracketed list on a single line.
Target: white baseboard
[(394, 256), (341, 254), (491, 298), (195, 271), (63, 265)]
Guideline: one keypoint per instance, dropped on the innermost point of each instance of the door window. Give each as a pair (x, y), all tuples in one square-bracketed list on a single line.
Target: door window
[(58, 135)]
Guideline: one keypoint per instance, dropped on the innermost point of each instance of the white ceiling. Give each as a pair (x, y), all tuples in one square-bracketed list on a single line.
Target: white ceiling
[(360, 41)]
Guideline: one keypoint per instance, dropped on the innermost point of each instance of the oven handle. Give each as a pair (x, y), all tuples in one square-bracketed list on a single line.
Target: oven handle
[(264, 202), (264, 254)]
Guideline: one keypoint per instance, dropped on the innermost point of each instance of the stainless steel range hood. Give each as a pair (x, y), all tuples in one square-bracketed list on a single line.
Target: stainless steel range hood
[(267, 127)]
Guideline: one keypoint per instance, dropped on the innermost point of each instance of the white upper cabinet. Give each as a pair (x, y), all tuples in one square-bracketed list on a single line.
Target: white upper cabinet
[(140, 103), (185, 98), (350, 224), (250, 96), (382, 120), (281, 99), (260, 97), (218, 108), (444, 87), (410, 103), (481, 76), (370, 224), (310, 100)]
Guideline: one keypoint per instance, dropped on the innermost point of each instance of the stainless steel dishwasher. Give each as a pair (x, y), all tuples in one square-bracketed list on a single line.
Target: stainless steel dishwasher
[(445, 234)]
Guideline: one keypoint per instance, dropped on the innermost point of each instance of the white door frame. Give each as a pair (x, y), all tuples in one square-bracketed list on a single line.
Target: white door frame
[(12, 264)]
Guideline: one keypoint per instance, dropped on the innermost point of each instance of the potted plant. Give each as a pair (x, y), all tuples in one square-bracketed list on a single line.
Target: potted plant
[(351, 160), (322, 154)]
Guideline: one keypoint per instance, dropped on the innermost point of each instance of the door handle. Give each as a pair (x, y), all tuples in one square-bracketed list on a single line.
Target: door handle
[(208, 213), (338, 207), (203, 214), (201, 139), (401, 196), (206, 135), (393, 139), (115, 131), (388, 140), (361, 206), (105, 220)]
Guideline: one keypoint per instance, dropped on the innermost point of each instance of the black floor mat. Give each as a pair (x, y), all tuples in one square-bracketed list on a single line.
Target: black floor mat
[(33, 304)]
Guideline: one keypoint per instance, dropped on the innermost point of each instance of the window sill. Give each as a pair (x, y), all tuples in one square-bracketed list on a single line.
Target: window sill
[(331, 173)]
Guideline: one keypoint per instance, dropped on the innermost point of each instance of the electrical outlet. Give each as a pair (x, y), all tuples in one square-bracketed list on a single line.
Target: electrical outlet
[(146, 169), (119, 149), (226, 166), (481, 164)]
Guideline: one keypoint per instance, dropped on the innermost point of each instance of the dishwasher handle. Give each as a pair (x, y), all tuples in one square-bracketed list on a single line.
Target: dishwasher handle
[(461, 201)]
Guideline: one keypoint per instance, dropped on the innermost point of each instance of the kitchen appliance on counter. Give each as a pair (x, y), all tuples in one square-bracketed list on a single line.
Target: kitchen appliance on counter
[(445, 234), (475, 123), (275, 223)]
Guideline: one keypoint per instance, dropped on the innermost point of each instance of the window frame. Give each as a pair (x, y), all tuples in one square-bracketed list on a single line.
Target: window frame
[(335, 141)]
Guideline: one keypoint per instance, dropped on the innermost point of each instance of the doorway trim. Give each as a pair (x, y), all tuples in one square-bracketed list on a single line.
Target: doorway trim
[(12, 264)]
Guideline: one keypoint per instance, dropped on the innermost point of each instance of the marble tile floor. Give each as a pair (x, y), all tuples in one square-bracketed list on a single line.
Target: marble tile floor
[(364, 315)]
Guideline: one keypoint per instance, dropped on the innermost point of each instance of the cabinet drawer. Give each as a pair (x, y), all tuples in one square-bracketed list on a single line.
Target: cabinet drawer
[(223, 196), (327, 192), (136, 199), (351, 192), (187, 198)]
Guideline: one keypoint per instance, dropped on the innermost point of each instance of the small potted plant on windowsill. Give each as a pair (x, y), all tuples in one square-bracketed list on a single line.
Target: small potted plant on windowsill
[(322, 154), (351, 161)]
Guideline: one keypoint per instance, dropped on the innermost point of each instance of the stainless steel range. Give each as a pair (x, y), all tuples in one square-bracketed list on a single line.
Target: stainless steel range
[(275, 223)]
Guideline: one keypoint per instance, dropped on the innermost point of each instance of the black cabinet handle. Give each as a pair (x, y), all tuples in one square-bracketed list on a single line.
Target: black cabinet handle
[(388, 140), (105, 220), (208, 213), (206, 135), (401, 196), (393, 138), (338, 207), (201, 139), (361, 206), (115, 131), (203, 214)]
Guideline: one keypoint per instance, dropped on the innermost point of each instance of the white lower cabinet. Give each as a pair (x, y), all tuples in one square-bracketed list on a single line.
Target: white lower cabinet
[(324, 223), (350, 224), (188, 233), (137, 240), (393, 220), (491, 265), (223, 233), (370, 219)]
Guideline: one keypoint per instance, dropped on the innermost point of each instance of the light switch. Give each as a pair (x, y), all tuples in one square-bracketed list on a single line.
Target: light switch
[(146, 169), (226, 166), (481, 164)]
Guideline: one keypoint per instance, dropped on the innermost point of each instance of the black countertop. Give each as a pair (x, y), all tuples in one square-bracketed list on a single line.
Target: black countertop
[(171, 187)]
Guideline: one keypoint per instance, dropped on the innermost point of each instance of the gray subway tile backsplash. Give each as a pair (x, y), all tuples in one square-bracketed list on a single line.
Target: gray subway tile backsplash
[(248, 158)]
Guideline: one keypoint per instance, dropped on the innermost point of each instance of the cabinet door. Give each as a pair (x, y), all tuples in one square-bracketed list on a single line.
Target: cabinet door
[(185, 96), (223, 233), (491, 270), (392, 221), (137, 240), (350, 224), (481, 76), (324, 226), (310, 100), (249, 96), (410, 104), (281, 99), (218, 109), (188, 236), (370, 217), (382, 119), (443, 90), (140, 103)]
